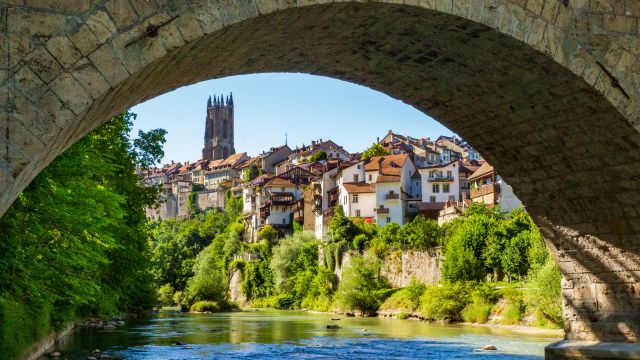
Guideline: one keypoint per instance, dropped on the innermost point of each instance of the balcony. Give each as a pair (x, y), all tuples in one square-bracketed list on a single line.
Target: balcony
[(381, 210), (265, 211), (391, 196), (281, 198), (297, 205), (327, 215), (485, 190), (440, 179), (298, 216)]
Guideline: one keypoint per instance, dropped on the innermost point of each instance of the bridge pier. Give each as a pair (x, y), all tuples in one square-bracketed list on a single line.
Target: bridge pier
[(570, 350), (600, 288)]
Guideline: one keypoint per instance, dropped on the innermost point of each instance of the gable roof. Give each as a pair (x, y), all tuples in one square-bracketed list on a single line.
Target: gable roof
[(359, 188), (387, 164), (485, 169)]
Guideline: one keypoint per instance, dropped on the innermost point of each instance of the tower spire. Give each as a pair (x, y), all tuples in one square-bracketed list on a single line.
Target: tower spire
[(231, 98), (209, 102)]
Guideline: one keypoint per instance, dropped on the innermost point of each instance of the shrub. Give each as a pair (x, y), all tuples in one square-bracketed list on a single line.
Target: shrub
[(361, 284), (202, 306), (477, 312), (268, 233), (402, 315), (444, 302), (415, 291), (317, 303), (543, 295), (400, 300), (360, 241), (165, 295), (282, 301)]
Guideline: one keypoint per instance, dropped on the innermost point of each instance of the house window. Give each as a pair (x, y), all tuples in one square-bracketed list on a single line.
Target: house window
[(357, 213), (355, 177), (388, 219), (435, 188), (283, 220), (432, 199), (369, 177), (359, 166), (344, 200), (445, 188), (354, 198), (452, 198), (449, 174)]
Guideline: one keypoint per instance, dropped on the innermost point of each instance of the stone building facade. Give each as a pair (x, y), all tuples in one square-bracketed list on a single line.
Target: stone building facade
[(218, 131)]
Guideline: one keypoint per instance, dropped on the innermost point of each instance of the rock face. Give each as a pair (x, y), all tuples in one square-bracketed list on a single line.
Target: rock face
[(400, 267), (235, 289), (425, 266)]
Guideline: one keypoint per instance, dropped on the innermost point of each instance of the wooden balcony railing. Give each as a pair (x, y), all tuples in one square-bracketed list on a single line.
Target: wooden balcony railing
[(484, 190), (392, 196), (381, 210)]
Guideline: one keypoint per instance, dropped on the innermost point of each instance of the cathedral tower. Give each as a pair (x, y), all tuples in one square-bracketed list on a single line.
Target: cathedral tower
[(218, 131)]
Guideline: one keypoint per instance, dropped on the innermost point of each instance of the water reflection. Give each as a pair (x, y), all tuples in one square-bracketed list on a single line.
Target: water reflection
[(278, 334)]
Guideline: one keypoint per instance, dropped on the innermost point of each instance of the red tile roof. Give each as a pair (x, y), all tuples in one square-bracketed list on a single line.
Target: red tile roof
[(359, 188), (387, 179), (389, 164)]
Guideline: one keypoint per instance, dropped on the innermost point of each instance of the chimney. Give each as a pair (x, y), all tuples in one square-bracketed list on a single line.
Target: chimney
[(378, 139), (313, 142), (380, 165)]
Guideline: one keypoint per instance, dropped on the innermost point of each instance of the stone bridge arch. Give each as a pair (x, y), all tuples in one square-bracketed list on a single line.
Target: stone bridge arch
[(547, 90)]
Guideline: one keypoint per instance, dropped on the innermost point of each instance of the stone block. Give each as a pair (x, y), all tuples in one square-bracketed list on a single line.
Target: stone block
[(43, 64), (101, 26), (188, 26), (71, 93), (109, 64), (29, 83), (84, 40), (121, 12), (90, 78), (68, 6), (63, 50)]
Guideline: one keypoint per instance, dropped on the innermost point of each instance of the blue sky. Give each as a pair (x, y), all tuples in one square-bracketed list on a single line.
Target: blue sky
[(267, 106)]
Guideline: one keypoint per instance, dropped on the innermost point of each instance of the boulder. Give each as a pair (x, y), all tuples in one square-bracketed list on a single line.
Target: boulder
[(333, 327), (489, 347)]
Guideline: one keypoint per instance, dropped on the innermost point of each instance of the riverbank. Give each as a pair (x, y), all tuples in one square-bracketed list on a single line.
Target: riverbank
[(46, 345), (522, 329)]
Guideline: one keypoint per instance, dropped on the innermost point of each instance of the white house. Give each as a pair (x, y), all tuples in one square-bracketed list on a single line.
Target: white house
[(440, 183)]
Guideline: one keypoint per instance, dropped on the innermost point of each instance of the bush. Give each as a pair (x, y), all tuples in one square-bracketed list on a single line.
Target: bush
[(268, 233), (361, 285), (402, 316), (401, 300), (317, 303), (282, 302), (544, 294), (202, 306), (360, 242), (477, 312), (444, 302), (165, 295)]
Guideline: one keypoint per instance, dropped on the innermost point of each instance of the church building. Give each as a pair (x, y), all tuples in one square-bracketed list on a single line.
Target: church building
[(218, 132)]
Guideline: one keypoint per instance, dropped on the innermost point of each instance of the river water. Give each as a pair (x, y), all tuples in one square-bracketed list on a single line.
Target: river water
[(273, 334)]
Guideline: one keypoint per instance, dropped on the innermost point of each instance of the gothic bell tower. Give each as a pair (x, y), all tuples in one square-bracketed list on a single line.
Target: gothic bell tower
[(218, 131)]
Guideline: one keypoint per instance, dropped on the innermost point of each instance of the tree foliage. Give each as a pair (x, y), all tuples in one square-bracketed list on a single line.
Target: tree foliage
[(374, 150), (75, 241)]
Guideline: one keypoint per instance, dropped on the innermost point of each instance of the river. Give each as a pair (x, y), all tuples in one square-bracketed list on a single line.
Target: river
[(273, 334)]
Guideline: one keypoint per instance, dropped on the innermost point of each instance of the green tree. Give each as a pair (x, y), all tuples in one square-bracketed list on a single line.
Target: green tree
[(165, 295), (320, 155), (515, 260), (341, 227), (422, 233), (74, 243), (361, 285), (374, 150), (268, 233)]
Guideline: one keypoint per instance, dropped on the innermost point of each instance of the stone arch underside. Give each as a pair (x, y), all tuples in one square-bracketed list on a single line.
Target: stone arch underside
[(549, 109)]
